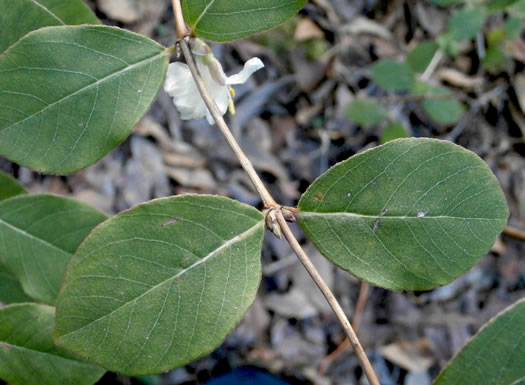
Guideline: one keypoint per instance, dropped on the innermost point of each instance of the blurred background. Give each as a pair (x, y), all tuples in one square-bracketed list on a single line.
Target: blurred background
[(340, 77)]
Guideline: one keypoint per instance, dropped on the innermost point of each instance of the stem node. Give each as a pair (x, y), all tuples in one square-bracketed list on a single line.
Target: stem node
[(272, 224)]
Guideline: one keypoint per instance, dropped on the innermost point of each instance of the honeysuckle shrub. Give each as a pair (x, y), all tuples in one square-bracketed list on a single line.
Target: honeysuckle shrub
[(163, 283)]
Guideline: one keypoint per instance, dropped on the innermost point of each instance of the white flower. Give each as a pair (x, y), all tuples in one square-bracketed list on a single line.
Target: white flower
[(186, 97)]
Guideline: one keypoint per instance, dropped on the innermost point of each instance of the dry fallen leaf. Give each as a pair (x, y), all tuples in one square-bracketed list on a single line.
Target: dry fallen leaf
[(293, 304), (412, 356), (430, 18), (144, 13), (307, 29), (127, 11), (363, 25), (459, 79)]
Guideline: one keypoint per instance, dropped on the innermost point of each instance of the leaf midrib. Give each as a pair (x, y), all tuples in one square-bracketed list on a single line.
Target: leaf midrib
[(48, 11), (31, 236), (203, 13), (379, 216), (105, 78), (10, 346), (228, 243)]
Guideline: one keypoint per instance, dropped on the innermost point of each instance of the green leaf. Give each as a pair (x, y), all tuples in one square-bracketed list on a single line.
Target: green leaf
[(499, 5), (466, 23), (69, 95), (420, 57), (518, 9), (365, 112), (9, 187), (411, 214), (496, 36), (444, 111), (10, 289), (225, 20), (392, 74), (23, 16), (494, 57), (150, 380), (393, 131), (494, 356), (420, 88), (446, 3), (72, 12), (161, 284), (28, 355), (38, 236), (512, 28), (448, 44)]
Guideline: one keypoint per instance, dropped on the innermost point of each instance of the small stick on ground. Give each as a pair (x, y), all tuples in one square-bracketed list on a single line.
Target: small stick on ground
[(514, 233)]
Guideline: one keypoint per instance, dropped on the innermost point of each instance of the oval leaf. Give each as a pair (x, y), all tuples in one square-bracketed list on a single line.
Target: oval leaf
[(161, 284), (408, 215), (366, 112), (467, 23), (444, 111), (68, 95), (420, 57), (9, 187), (38, 236), (28, 355), (495, 354), (225, 20), (10, 289), (392, 74), (446, 3), (393, 131), (23, 16)]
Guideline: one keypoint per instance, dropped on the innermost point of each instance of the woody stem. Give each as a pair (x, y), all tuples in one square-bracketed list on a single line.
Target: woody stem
[(267, 199), (270, 203), (180, 25)]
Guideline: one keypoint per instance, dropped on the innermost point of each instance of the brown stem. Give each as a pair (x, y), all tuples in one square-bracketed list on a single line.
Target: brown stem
[(267, 199), (356, 321), (360, 306), (327, 293), (514, 232), (270, 203), (180, 26)]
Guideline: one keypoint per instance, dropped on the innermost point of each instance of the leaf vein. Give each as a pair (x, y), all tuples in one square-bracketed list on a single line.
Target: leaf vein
[(213, 253)]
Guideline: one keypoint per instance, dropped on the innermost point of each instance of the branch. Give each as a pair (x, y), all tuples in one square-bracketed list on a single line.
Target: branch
[(267, 199), (332, 301), (356, 321), (269, 202), (180, 26)]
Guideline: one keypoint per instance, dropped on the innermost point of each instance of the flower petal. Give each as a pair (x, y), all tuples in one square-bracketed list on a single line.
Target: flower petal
[(219, 93), (252, 65), (186, 97)]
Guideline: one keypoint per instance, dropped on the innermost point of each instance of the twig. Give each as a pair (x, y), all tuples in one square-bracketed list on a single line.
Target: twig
[(360, 306), (332, 301), (268, 200), (180, 25), (432, 65), (480, 45), (514, 232), (356, 322)]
